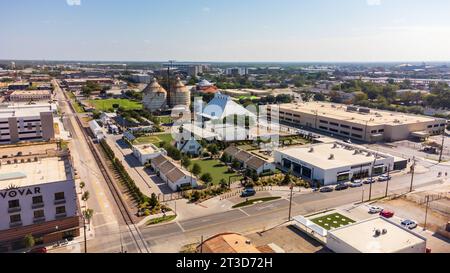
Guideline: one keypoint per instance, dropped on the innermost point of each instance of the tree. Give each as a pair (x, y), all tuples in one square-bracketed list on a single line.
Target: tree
[(88, 214), (359, 96), (287, 179), (196, 169), (223, 183), (225, 158), (153, 202), (82, 185), (319, 97), (85, 196), (213, 149), (29, 241), (185, 161), (207, 178), (236, 164)]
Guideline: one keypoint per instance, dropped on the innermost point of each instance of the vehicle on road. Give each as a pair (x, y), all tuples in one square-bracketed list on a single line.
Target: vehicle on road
[(375, 209), (369, 181), (384, 178), (326, 189), (410, 224), (341, 187), (248, 192), (38, 250), (356, 184), (387, 213)]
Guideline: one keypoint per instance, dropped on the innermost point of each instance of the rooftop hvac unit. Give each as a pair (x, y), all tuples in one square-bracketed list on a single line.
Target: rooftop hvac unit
[(377, 232), (352, 108), (364, 110), (331, 157), (384, 231)]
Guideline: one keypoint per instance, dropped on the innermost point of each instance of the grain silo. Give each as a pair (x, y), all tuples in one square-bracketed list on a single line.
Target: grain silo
[(154, 96)]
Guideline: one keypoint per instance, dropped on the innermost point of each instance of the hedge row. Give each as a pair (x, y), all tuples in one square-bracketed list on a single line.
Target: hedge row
[(125, 177)]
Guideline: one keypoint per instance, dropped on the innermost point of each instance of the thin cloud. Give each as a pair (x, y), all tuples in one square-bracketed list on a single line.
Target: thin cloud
[(73, 2), (373, 2)]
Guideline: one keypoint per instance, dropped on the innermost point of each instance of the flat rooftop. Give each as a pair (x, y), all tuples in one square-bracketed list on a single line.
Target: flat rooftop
[(147, 148), (22, 110), (31, 92), (319, 155), (339, 112), (361, 236), (46, 170)]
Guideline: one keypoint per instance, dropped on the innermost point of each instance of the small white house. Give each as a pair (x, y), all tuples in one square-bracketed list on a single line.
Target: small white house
[(107, 118), (171, 173), (147, 152), (96, 130), (190, 146), (249, 160)]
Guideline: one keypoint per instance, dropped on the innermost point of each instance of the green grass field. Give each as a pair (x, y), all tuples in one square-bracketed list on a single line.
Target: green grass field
[(78, 108), (107, 105), (217, 170), (165, 119), (332, 221), (154, 139)]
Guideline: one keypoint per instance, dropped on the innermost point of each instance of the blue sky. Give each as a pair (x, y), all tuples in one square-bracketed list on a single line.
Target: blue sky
[(226, 30)]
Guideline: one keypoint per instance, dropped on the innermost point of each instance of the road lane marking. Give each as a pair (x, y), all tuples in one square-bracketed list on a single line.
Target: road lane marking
[(244, 212)]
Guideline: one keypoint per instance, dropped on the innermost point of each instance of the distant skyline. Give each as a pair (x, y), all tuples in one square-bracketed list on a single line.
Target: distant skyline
[(226, 30)]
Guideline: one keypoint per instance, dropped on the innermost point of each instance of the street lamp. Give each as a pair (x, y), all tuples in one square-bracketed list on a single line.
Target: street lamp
[(290, 201)]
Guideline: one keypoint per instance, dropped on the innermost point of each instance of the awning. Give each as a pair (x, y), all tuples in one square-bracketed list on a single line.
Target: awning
[(420, 134)]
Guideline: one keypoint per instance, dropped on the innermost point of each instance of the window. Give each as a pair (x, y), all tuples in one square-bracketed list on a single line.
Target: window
[(334, 124), (14, 204), (345, 133), (323, 128), (345, 126), (437, 125), (374, 131), (334, 130), (357, 129), (59, 196), (430, 126), (39, 214), (38, 200), (381, 131), (15, 218), (323, 121), (61, 210)]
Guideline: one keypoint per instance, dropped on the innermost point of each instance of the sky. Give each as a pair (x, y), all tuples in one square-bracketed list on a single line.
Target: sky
[(226, 30)]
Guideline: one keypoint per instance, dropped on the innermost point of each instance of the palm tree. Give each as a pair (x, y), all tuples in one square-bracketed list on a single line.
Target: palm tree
[(29, 241), (88, 214)]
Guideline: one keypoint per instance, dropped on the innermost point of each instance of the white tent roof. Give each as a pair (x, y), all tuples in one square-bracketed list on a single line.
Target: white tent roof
[(222, 106)]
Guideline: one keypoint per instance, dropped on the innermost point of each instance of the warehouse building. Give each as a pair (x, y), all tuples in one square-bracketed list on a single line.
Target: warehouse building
[(376, 235), (26, 123), (355, 122), (333, 163), (173, 174), (31, 95), (37, 197)]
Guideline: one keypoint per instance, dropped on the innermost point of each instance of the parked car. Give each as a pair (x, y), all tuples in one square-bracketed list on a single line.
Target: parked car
[(410, 224), (369, 181), (374, 209), (356, 184), (248, 192), (341, 187), (383, 178), (326, 189), (38, 250), (387, 213)]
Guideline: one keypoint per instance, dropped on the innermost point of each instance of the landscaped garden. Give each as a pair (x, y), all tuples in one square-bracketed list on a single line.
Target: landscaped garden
[(217, 169), (332, 221), (154, 139), (256, 201), (165, 119), (108, 104)]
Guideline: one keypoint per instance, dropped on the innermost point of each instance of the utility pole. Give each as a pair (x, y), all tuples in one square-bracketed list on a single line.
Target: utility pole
[(426, 213), (371, 176), (413, 166), (388, 178), (85, 236), (442, 145), (290, 202)]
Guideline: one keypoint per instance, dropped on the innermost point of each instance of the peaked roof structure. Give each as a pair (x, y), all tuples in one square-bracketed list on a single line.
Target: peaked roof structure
[(222, 106), (154, 87)]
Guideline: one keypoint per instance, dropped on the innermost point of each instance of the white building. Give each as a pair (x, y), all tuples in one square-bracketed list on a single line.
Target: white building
[(171, 173), (376, 235), (38, 197), (96, 130), (249, 160), (108, 118), (146, 152), (26, 123), (141, 78), (190, 146), (332, 163)]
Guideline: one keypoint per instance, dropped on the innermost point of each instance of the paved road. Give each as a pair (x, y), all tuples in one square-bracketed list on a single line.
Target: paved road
[(109, 230)]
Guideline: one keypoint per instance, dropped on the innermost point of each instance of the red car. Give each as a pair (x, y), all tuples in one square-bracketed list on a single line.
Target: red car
[(38, 250), (387, 213)]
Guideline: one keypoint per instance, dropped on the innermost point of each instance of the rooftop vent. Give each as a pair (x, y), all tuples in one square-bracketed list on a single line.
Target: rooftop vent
[(331, 157), (377, 233), (335, 145), (311, 149), (384, 231), (369, 154)]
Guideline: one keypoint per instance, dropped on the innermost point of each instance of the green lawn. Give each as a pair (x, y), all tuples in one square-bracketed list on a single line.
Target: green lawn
[(107, 105), (154, 139), (161, 220), (253, 201), (165, 119), (78, 108), (217, 170), (332, 221)]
